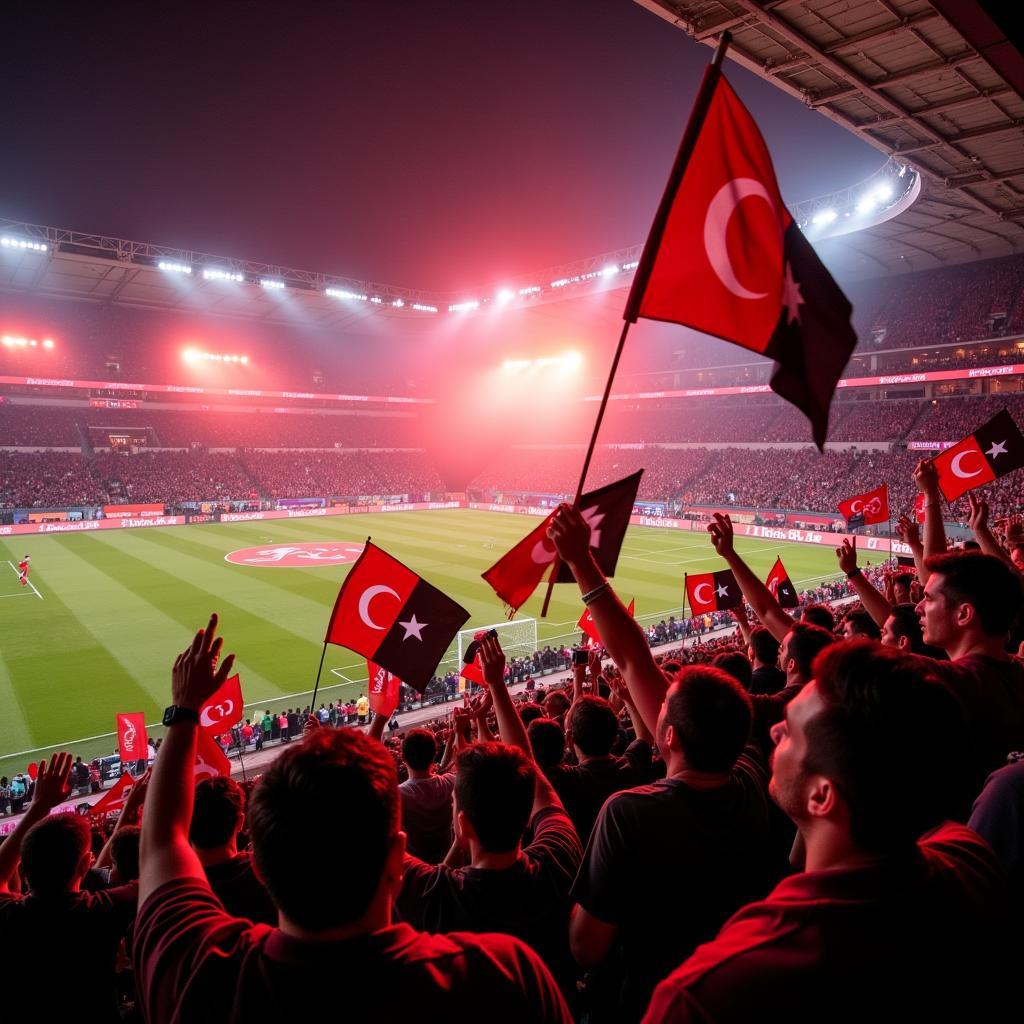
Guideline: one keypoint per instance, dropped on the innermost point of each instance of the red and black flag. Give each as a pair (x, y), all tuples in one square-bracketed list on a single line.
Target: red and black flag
[(781, 586), (383, 689), (515, 576), (725, 257), (712, 592), (387, 613), (992, 451), (586, 622), (865, 509)]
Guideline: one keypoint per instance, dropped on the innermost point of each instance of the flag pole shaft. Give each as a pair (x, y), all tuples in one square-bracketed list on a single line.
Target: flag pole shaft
[(643, 271), (316, 685)]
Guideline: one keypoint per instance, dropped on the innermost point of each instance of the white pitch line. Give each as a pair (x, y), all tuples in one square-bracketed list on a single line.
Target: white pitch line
[(14, 569), (709, 558)]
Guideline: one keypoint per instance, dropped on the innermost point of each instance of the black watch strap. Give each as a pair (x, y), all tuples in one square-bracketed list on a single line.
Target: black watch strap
[(176, 713)]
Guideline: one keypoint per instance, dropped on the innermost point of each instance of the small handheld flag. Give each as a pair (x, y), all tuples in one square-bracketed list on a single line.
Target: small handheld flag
[(865, 509), (712, 592), (388, 614), (781, 586), (992, 451)]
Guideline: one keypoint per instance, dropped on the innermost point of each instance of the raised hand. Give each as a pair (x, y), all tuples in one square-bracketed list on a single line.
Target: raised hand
[(133, 805), (846, 553), (909, 530), (570, 533), (978, 519), (721, 532), (53, 785), (926, 476), (492, 659), (196, 677)]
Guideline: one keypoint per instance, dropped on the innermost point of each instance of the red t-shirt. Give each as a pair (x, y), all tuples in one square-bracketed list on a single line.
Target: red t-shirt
[(922, 938), (194, 962)]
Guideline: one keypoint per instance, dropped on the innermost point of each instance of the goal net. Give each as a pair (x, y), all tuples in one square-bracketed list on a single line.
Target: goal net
[(518, 640)]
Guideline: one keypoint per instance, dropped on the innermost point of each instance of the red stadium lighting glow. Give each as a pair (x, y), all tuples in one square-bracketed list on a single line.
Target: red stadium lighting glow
[(505, 295), (194, 355), (16, 341)]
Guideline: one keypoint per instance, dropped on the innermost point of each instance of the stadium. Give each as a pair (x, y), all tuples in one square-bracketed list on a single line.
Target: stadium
[(185, 431)]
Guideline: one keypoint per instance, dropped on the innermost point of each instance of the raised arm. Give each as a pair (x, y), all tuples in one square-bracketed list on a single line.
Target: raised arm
[(742, 622), (927, 479), (510, 725), (911, 534), (129, 816), (165, 854), (773, 616), (52, 788), (875, 603), (620, 633), (978, 523)]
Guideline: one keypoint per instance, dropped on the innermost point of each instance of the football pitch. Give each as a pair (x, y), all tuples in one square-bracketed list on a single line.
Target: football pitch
[(107, 612)]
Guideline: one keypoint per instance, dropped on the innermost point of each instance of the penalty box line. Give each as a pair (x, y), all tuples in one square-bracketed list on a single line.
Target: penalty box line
[(14, 569)]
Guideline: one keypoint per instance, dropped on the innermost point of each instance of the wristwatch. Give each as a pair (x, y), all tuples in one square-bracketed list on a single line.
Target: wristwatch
[(176, 713), (854, 572)]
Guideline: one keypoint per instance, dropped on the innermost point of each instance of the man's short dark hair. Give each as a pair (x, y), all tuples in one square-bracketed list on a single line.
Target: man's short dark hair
[(419, 749), (494, 786), (217, 814), (735, 664), (124, 852), (594, 726), (547, 740), (985, 582), (711, 714), (805, 643), (903, 579), (819, 615), (863, 624), (53, 850), (530, 713), (906, 622), (333, 798), (764, 646), (894, 741)]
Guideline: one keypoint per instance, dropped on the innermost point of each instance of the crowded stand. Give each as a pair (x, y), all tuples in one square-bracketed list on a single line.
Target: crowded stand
[(47, 479), (188, 476), (667, 830)]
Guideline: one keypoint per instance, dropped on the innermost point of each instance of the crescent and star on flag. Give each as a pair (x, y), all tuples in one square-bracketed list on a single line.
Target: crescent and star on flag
[(716, 223), (412, 627)]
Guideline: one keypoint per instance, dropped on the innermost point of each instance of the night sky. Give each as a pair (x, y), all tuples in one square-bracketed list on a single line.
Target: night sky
[(445, 145)]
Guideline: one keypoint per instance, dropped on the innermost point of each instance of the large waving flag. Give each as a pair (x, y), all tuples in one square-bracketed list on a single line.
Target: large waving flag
[(514, 577), (725, 257), (388, 614), (588, 626), (992, 451), (131, 737)]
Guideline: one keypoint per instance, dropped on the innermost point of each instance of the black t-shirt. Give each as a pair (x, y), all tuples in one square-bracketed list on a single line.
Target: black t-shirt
[(583, 788), (85, 929), (991, 693), (194, 963), (767, 680), (668, 864), (235, 884), (529, 900)]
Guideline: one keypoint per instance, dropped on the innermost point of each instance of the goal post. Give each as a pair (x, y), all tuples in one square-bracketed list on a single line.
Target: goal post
[(518, 639)]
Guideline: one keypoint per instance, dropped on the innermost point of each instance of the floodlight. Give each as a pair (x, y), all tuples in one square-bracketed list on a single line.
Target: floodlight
[(22, 243), (213, 274), (504, 295), (48, 343), (340, 293), (825, 217), (424, 308), (174, 268), (270, 284), (464, 307), (610, 270)]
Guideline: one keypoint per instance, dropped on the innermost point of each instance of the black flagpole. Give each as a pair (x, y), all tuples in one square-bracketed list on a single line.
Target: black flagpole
[(646, 263), (316, 685)]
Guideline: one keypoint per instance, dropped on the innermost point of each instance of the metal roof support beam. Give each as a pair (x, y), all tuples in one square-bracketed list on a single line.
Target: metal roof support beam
[(938, 108), (897, 78)]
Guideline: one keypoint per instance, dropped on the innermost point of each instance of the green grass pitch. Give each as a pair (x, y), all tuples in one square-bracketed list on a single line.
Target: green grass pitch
[(116, 606)]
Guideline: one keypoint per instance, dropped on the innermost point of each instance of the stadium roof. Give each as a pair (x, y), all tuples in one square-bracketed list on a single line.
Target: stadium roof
[(934, 83)]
